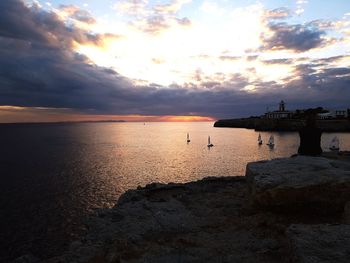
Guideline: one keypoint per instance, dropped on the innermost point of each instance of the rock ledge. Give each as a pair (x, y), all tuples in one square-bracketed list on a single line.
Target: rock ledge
[(300, 182), (227, 219)]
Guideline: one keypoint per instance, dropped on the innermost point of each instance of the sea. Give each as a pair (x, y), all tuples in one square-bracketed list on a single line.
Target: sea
[(53, 176)]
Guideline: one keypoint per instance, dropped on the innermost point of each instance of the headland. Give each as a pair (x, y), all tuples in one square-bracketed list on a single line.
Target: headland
[(286, 120), (262, 124)]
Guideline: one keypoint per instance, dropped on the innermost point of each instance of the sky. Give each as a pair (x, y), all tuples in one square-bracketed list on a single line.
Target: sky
[(170, 60)]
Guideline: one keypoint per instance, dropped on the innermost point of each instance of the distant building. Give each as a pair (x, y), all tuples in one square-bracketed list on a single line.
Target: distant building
[(334, 114), (281, 113), (341, 114), (325, 116)]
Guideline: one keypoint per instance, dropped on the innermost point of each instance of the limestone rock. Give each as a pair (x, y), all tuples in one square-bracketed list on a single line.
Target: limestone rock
[(26, 259), (211, 220), (319, 243), (346, 214), (313, 182)]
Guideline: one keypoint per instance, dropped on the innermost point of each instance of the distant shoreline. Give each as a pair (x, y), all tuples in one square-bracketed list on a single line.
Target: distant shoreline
[(259, 124), (59, 122), (103, 121)]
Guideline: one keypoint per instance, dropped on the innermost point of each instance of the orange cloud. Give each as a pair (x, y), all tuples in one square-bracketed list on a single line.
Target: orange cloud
[(14, 114), (183, 118)]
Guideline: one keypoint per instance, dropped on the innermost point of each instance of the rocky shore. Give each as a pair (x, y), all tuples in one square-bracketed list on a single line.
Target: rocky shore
[(261, 124), (284, 210)]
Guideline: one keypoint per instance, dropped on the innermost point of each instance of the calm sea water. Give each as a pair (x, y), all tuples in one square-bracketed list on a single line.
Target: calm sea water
[(54, 175)]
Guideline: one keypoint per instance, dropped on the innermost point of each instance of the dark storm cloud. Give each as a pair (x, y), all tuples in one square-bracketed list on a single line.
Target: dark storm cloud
[(334, 72), (38, 68), (37, 26), (35, 75), (327, 87), (38, 72), (297, 38), (331, 59)]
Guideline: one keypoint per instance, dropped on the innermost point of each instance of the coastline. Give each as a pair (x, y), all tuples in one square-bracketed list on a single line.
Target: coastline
[(259, 124), (227, 219)]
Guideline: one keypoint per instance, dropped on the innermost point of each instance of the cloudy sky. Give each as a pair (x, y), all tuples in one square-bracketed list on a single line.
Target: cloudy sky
[(144, 60)]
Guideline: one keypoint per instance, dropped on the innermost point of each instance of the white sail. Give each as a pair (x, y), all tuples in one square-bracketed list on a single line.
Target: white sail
[(334, 145), (209, 143), (271, 141), (259, 139)]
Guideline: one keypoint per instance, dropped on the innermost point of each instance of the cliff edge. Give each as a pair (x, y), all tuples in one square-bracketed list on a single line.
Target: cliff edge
[(284, 210)]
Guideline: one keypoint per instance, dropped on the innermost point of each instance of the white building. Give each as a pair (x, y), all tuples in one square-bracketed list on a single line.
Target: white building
[(281, 113), (334, 114)]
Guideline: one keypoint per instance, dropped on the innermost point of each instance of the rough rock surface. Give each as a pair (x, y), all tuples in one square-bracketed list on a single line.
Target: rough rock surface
[(212, 220), (319, 243), (346, 214), (316, 183), (205, 221)]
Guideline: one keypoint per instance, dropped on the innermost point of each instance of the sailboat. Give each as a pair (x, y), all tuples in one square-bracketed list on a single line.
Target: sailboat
[(209, 143), (334, 145), (188, 138), (260, 140), (271, 142)]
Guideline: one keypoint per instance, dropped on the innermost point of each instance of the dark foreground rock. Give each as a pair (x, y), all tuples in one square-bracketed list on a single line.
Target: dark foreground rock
[(204, 221), (212, 220), (301, 182), (320, 243)]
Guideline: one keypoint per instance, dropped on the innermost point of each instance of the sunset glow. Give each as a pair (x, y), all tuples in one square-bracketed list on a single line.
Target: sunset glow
[(10, 114), (130, 130), (177, 58)]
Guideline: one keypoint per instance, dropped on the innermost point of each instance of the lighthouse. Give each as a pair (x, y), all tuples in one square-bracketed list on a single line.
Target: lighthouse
[(281, 113), (282, 106)]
